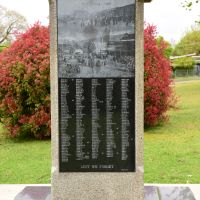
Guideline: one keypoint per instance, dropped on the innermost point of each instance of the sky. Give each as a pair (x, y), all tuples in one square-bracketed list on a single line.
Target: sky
[(33, 10), (171, 19)]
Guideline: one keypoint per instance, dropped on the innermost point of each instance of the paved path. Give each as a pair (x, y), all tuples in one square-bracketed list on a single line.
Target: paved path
[(187, 81)]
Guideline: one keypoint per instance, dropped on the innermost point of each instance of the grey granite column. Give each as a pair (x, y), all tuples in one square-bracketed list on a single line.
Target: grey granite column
[(98, 186)]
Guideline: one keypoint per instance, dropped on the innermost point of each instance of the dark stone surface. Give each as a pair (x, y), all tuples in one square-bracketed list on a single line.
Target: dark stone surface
[(96, 75), (35, 193), (98, 124)]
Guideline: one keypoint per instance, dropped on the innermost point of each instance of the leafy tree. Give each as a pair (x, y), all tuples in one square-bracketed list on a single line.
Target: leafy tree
[(168, 47), (190, 43), (10, 23), (157, 90), (25, 84), (2, 48), (183, 63), (188, 4)]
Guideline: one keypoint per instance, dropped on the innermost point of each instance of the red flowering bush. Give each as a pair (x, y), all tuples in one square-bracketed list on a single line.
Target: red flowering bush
[(25, 84), (157, 90)]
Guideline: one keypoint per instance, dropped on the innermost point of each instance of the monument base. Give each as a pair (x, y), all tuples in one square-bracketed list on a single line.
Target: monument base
[(98, 185)]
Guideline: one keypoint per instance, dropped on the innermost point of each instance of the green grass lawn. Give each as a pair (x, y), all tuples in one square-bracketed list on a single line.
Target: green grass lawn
[(24, 161), (172, 151)]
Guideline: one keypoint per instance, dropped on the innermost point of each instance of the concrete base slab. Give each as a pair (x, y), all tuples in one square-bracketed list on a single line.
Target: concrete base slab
[(43, 192), (168, 193), (8, 192), (181, 193), (35, 193), (150, 193)]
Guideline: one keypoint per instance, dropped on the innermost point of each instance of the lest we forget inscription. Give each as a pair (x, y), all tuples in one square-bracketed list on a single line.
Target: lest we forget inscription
[(96, 76)]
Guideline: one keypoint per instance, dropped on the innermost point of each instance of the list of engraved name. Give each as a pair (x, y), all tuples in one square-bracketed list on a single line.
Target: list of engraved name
[(99, 142)]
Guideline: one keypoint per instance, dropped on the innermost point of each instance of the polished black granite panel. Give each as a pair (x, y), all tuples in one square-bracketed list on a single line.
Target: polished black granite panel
[(97, 125), (96, 75)]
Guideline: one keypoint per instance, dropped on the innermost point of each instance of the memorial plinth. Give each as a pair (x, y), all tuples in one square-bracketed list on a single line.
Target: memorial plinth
[(97, 99)]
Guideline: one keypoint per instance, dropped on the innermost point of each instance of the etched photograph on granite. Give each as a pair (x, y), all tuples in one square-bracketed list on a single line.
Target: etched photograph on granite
[(96, 81), (96, 39)]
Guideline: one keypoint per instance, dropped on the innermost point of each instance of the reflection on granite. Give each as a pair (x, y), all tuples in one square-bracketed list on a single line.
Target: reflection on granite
[(35, 193), (168, 193)]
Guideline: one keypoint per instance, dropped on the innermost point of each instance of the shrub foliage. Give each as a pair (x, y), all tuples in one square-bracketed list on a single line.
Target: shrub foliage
[(25, 84), (189, 43), (157, 90)]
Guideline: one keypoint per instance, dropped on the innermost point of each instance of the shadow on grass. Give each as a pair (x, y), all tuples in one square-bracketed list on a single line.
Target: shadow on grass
[(154, 128)]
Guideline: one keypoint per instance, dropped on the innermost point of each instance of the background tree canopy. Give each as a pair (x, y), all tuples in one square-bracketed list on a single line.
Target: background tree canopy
[(190, 43), (183, 63), (189, 3), (168, 50), (11, 22)]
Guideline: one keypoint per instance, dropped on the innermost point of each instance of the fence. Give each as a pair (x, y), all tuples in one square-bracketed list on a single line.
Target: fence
[(187, 72)]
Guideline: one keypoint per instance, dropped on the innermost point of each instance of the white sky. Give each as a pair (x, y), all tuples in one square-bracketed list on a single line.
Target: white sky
[(171, 19), (33, 10)]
